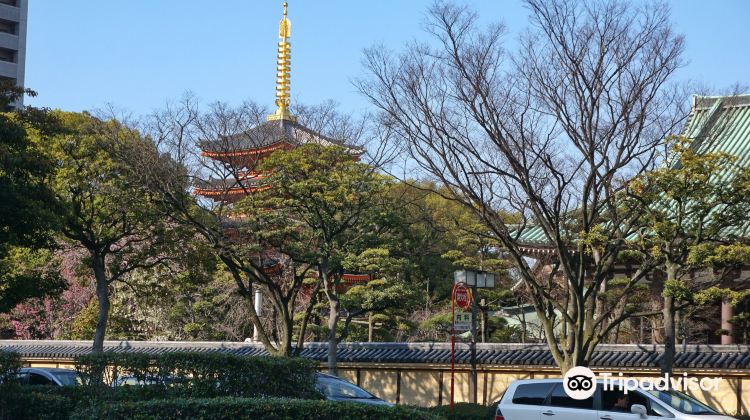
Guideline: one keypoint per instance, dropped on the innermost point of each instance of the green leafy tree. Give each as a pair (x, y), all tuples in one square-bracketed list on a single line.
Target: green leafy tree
[(189, 298), (472, 247), (106, 208), (386, 298), (422, 239), (28, 273), (323, 206), (693, 209), (248, 238), (27, 206)]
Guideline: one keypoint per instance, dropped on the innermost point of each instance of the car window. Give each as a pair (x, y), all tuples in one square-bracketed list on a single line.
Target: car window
[(68, 378), (37, 379), (532, 394), (617, 400), (559, 398), (682, 402), (657, 410), (337, 388)]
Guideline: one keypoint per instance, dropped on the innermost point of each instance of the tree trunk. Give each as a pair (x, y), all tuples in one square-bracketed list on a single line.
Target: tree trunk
[(370, 327), (333, 319), (286, 333), (102, 296), (656, 333), (427, 298), (306, 320), (669, 335)]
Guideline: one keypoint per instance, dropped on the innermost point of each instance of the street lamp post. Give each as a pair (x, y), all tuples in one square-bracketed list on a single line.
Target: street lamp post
[(475, 280)]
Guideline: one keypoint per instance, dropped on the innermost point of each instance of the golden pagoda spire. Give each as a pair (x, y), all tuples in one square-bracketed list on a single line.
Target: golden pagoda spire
[(283, 71)]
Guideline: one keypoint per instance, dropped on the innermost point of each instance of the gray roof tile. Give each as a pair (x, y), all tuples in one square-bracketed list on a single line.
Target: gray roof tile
[(634, 356)]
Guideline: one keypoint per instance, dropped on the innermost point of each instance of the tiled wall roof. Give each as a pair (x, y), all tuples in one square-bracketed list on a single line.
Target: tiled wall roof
[(620, 356)]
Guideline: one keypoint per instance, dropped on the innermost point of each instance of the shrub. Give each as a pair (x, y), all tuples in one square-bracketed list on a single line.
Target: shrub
[(199, 375), (21, 403), (245, 408), (9, 364), (465, 411), (111, 365)]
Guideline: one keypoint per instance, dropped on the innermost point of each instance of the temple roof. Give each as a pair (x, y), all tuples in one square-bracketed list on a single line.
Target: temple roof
[(715, 124), (272, 133), (721, 124), (229, 183)]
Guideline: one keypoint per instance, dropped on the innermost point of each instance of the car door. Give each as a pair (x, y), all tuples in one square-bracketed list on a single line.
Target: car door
[(525, 401), (37, 379), (611, 410), (559, 406)]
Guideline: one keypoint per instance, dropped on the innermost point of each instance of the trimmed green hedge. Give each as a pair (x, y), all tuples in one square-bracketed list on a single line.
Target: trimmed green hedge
[(185, 385), (464, 411), (24, 402), (245, 408), (9, 365), (202, 375)]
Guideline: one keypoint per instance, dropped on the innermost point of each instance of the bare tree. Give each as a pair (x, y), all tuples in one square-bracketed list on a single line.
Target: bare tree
[(549, 133)]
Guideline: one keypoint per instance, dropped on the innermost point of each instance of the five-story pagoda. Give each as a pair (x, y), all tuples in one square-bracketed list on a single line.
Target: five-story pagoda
[(242, 152), (239, 155)]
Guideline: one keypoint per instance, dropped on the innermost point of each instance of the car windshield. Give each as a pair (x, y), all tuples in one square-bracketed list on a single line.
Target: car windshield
[(68, 378), (682, 402), (337, 388)]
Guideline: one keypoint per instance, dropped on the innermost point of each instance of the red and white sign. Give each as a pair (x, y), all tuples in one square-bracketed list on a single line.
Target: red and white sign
[(462, 296)]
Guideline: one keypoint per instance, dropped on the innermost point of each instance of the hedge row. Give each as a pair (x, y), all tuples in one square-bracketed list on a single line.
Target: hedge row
[(181, 386), (25, 402), (202, 375), (245, 408), (33, 405), (9, 365)]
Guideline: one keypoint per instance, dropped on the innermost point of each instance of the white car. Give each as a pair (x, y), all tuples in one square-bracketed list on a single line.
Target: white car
[(542, 399)]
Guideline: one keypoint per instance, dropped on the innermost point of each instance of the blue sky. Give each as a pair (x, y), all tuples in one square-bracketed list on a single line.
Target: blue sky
[(136, 54)]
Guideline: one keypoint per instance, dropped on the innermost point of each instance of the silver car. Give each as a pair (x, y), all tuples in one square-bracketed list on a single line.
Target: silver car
[(546, 399), (337, 389), (48, 376)]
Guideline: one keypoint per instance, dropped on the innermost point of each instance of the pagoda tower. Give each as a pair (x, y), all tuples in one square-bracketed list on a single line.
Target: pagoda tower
[(241, 153)]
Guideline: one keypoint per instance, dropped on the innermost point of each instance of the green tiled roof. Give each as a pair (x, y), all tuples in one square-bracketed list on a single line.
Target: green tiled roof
[(721, 124), (715, 124), (532, 235)]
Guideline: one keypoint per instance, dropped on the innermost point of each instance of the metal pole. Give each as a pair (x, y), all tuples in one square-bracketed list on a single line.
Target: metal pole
[(453, 342), (473, 377), (258, 305)]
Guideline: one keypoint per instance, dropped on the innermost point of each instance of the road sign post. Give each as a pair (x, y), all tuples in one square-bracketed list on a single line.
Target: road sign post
[(461, 297), (474, 280)]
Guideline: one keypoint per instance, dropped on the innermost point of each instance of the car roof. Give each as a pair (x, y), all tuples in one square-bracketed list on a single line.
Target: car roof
[(612, 381), (46, 369), (326, 375), (537, 381)]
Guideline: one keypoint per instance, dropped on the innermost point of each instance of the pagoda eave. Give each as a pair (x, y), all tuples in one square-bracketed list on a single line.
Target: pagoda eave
[(229, 194), (247, 152)]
